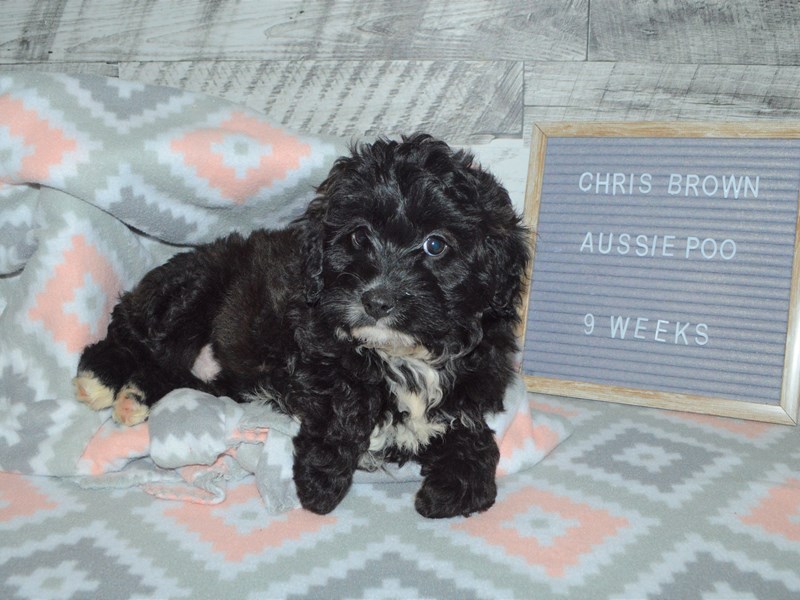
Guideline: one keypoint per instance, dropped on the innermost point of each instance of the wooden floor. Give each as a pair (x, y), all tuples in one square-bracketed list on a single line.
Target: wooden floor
[(469, 71)]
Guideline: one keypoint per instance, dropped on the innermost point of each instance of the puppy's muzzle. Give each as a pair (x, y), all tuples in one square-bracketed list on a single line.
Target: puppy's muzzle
[(379, 302)]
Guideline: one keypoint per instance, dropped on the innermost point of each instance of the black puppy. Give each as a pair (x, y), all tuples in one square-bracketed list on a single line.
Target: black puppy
[(383, 320)]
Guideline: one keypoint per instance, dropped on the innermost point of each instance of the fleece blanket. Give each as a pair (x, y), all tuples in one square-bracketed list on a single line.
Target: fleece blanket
[(101, 180)]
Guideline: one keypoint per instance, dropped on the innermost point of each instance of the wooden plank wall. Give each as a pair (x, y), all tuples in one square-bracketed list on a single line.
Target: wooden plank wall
[(470, 71)]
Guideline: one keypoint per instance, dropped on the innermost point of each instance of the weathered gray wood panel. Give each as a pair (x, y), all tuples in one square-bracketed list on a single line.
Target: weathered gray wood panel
[(650, 92), (363, 67), (462, 101), (757, 32), (117, 30), (73, 68)]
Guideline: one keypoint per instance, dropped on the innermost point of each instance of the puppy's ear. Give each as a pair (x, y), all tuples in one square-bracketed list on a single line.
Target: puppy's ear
[(507, 255), (506, 248), (313, 243), (312, 222)]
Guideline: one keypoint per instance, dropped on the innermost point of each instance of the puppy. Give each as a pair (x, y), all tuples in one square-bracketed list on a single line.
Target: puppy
[(383, 320)]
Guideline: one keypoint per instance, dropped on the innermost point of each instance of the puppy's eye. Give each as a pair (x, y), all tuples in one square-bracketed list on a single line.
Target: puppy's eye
[(359, 238), (434, 245)]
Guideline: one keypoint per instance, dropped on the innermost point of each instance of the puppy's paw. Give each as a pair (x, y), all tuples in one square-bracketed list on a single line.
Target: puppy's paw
[(129, 406), (320, 492), (322, 474), (446, 494), (91, 391)]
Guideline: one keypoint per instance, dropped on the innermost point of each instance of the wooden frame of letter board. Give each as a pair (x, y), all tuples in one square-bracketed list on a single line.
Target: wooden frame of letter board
[(787, 411)]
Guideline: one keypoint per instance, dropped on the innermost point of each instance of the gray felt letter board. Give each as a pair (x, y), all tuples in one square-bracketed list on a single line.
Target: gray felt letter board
[(665, 270)]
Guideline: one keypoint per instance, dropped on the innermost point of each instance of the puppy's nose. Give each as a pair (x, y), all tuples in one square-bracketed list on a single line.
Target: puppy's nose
[(378, 302)]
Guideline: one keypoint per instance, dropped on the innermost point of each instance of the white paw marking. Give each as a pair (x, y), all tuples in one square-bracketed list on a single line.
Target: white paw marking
[(128, 407), (91, 392)]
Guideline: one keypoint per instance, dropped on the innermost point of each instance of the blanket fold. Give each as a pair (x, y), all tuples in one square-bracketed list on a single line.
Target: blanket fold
[(100, 181)]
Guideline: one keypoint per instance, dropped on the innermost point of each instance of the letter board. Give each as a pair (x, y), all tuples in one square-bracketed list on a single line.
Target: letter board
[(665, 267)]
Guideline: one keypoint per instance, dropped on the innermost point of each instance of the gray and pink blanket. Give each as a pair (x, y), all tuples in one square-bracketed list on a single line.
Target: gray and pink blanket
[(101, 180)]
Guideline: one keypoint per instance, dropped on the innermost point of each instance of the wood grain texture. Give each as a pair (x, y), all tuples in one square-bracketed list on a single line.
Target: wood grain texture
[(118, 30), (791, 373), (760, 32), (763, 129), (681, 402), (659, 92), (464, 102), (71, 68)]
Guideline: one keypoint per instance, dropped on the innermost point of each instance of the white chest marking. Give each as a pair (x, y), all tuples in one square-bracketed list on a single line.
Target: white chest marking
[(416, 429)]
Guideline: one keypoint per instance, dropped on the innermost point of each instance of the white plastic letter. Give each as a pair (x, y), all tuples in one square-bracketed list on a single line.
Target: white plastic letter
[(680, 332), (641, 325), (588, 323), (727, 249), (617, 326), (702, 334), (585, 187), (588, 243), (660, 330), (692, 243), (674, 187)]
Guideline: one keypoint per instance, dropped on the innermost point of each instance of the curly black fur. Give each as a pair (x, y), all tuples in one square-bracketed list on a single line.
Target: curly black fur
[(384, 320)]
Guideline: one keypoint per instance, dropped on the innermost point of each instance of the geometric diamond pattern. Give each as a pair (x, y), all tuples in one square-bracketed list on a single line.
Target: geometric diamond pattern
[(11, 425), (388, 569), (44, 568), (19, 499), (525, 441), (33, 145), (546, 529), (238, 535), (649, 461), (27, 423), (38, 143), (553, 536), (234, 158), (128, 195), (13, 149), (552, 533), (703, 569), (75, 304), (754, 433), (767, 511), (581, 529), (778, 513), (125, 106), (65, 576)]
